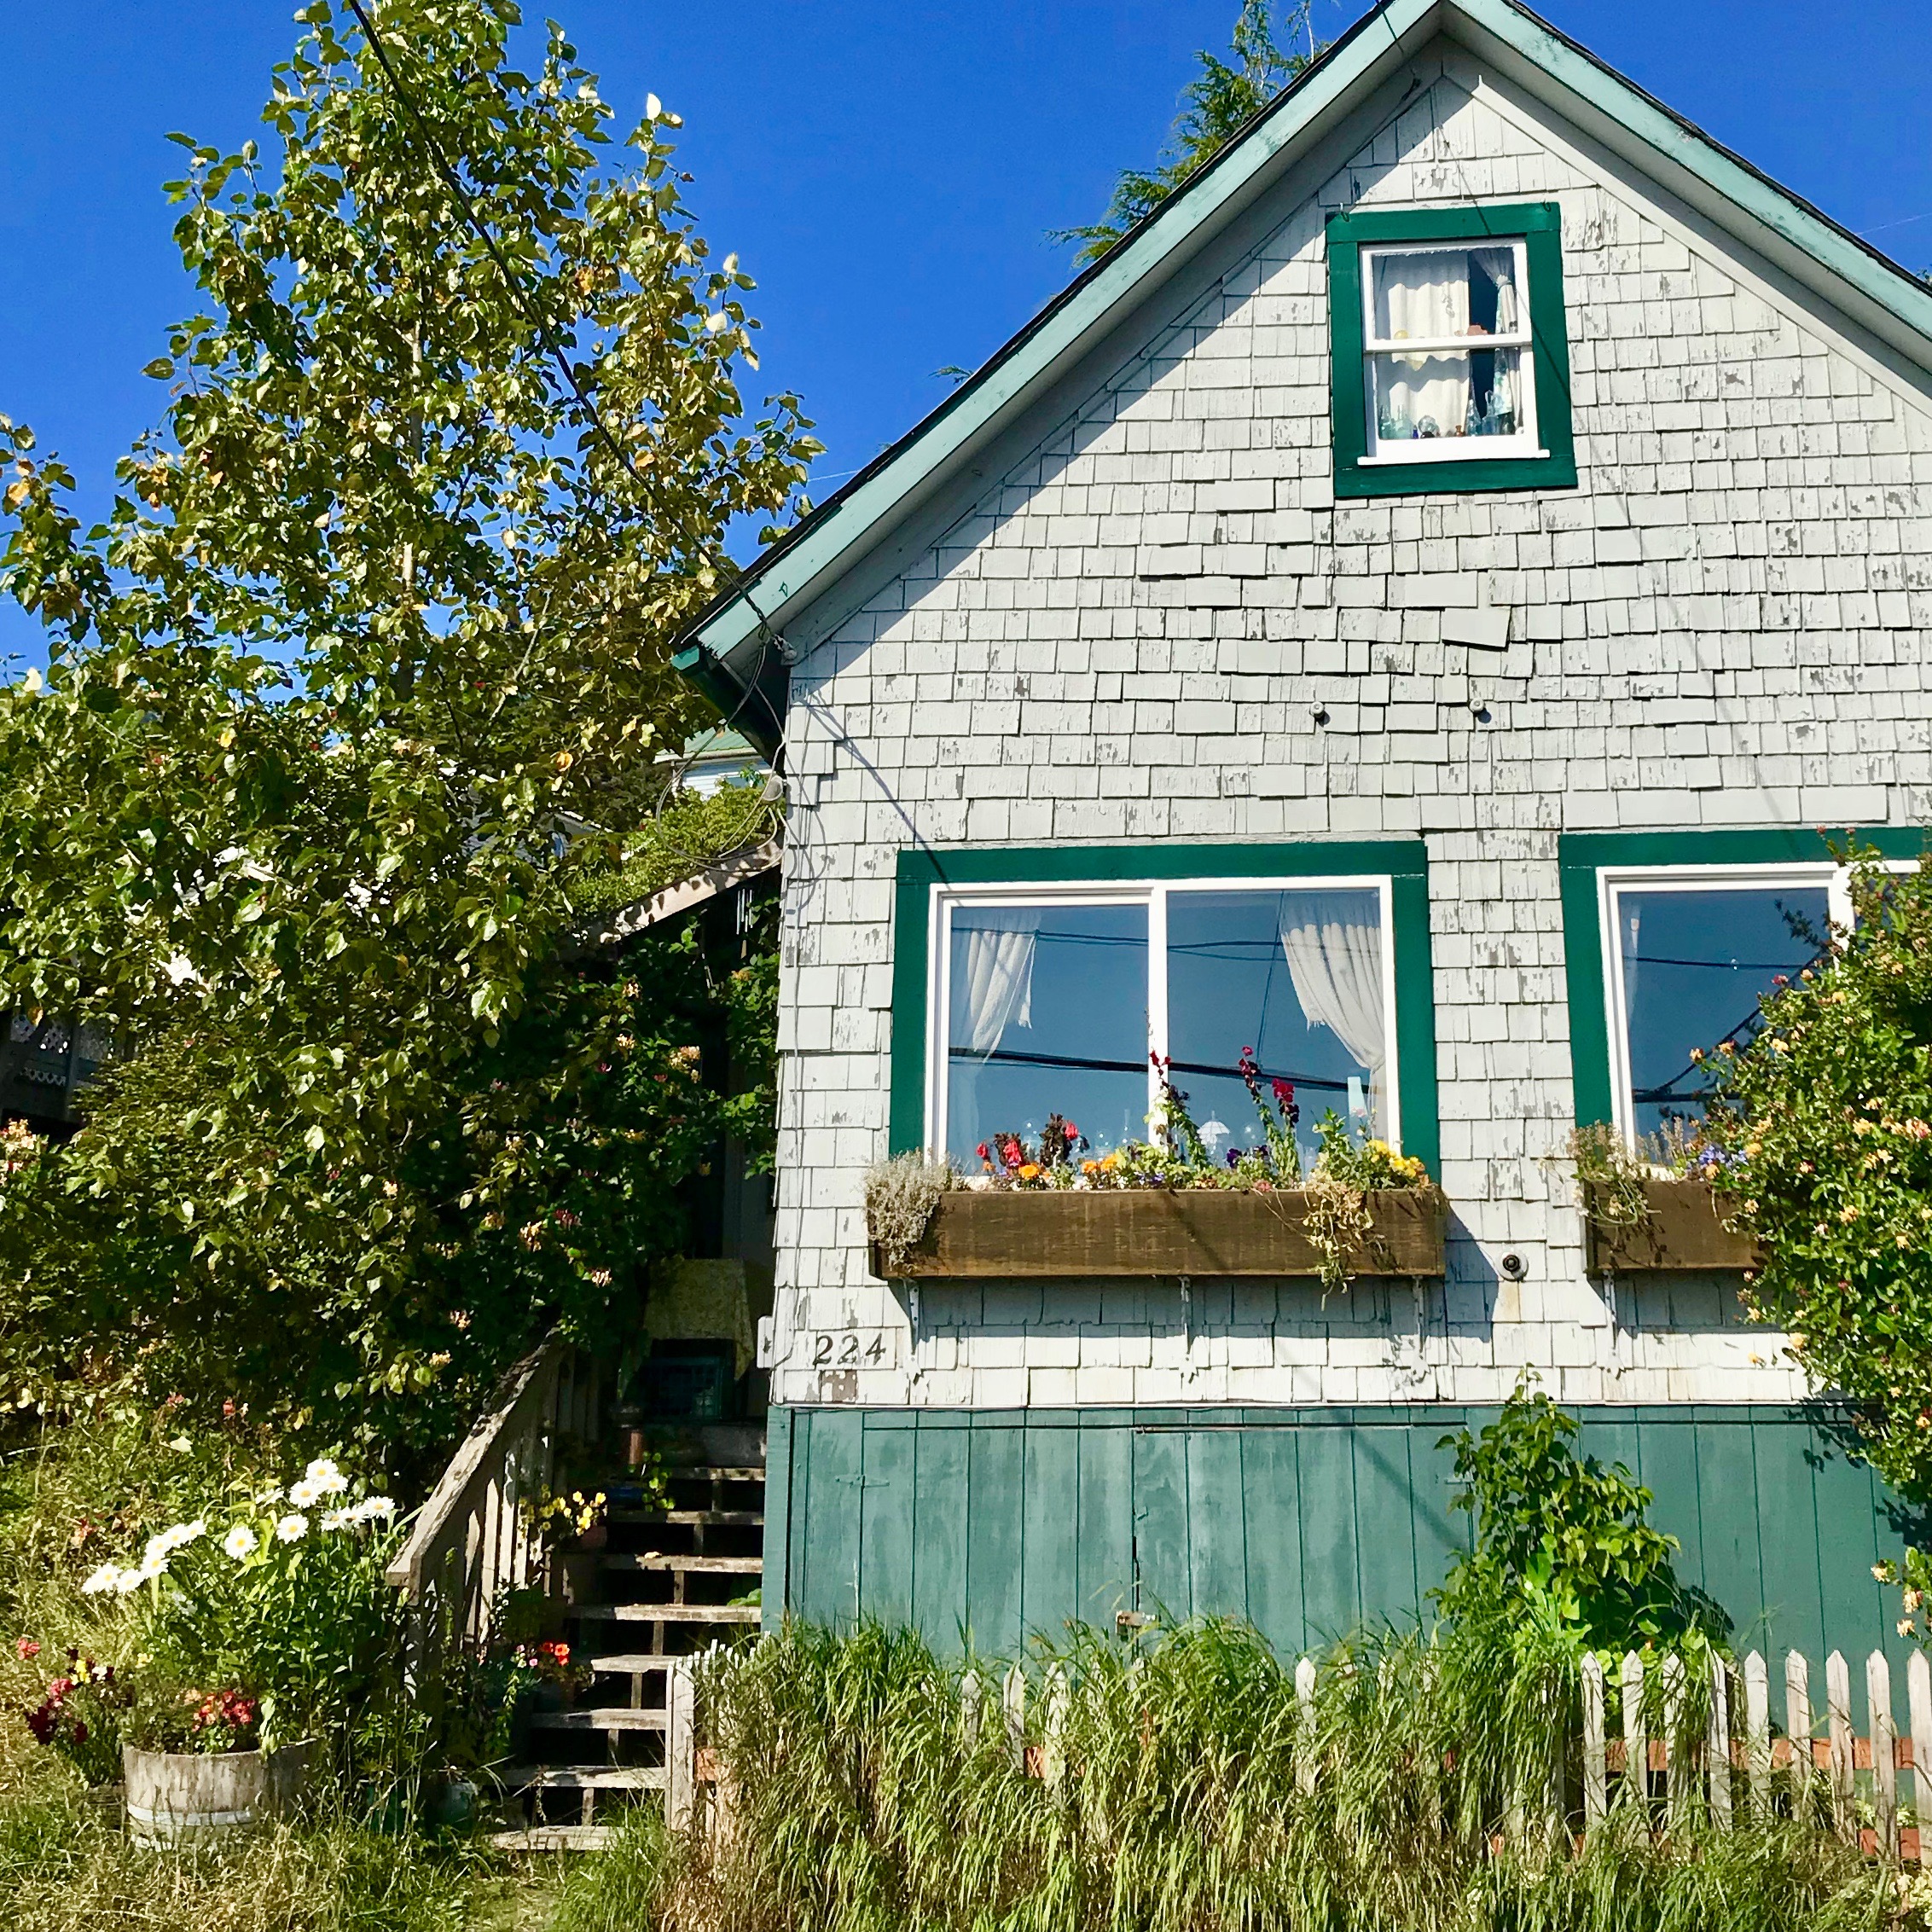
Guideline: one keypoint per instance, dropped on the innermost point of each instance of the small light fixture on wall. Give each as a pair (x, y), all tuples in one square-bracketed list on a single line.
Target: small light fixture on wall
[(1514, 1266)]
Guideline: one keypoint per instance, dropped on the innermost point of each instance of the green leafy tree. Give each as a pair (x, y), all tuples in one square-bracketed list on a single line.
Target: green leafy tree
[(1221, 100), (347, 695), (1822, 1142)]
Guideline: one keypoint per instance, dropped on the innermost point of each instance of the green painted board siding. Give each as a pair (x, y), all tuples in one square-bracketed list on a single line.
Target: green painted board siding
[(986, 1527)]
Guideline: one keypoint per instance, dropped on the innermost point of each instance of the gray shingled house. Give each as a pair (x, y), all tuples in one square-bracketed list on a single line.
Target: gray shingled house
[(1407, 611)]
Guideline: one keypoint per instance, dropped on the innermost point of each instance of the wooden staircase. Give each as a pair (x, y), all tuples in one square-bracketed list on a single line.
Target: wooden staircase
[(664, 1590)]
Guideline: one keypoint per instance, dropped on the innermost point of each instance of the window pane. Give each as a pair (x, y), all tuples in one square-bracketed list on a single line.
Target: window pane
[(1694, 962), (1418, 397), (1443, 291), (1048, 1015), (1297, 977)]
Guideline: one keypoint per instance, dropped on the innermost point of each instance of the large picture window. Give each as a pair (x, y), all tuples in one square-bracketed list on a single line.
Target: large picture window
[(1449, 360), (1053, 999)]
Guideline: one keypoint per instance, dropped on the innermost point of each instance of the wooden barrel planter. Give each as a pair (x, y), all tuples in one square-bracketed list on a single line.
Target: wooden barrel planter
[(173, 1796), (1015, 1234), (1682, 1230)]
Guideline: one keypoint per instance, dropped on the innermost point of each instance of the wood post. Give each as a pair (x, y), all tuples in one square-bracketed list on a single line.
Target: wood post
[(1596, 1796), (681, 1743)]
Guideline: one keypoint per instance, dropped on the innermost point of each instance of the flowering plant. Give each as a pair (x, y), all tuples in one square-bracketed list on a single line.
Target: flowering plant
[(273, 1626), (80, 1714), (571, 1515)]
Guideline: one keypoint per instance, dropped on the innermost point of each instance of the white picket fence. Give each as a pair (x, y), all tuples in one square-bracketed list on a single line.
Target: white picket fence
[(1738, 1765), (1734, 1765)]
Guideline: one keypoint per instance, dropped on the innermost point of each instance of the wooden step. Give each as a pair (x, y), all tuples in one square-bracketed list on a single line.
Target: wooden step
[(638, 1663), (748, 1519), (554, 1838), (668, 1559), (712, 1472), (598, 1717), (584, 1777), (669, 1613)]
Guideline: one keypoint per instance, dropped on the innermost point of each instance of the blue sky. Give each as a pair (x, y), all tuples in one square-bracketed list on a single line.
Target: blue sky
[(887, 172)]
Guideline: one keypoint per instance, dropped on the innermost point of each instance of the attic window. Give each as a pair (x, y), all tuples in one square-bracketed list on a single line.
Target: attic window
[(1447, 344), (1450, 367)]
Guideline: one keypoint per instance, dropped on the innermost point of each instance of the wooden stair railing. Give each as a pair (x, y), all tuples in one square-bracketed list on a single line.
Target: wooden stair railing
[(474, 1538)]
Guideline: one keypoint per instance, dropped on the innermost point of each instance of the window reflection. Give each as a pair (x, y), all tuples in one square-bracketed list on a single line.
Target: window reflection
[(1047, 1014), (1297, 976), (1694, 962)]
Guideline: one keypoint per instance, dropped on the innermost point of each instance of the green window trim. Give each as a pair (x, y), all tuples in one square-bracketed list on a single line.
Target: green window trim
[(1580, 856), (1540, 226), (1404, 862)]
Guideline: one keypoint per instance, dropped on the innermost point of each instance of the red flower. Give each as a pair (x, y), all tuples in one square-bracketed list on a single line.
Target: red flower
[(981, 1151), (1072, 1131), (1283, 1091), (27, 1647)]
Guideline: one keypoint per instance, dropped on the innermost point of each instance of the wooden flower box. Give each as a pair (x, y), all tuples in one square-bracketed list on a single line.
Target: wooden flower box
[(1011, 1234), (1684, 1230)]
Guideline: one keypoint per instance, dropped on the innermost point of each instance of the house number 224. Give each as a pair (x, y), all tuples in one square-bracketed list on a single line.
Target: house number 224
[(845, 1351)]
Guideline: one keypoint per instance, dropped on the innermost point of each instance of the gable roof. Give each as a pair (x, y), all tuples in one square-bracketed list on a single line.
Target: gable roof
[(734, 651)]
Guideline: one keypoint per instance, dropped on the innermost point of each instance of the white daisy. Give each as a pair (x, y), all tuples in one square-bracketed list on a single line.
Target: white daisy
[(128, 1582), (328, 1480), (291, 1528), (372, 1509), (338, 1519), (241, 1541), (107, 1577), (305, 1495)]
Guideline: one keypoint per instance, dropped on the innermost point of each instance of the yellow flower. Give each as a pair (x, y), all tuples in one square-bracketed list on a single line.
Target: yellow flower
[(1029, 1172)]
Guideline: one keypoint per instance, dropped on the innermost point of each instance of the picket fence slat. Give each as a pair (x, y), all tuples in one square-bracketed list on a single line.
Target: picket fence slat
[(1884, 1752), (1838, 1726), (1757, 1733), (1596, 1794), (1718, 1740), (1919, 1695)]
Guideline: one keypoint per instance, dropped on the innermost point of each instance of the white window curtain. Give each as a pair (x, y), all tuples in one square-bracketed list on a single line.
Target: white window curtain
[(993, 977), (1333, 942), (1420, 297)]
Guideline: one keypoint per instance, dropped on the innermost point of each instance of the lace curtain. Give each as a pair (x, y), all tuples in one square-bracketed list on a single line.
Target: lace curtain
[(1333, 942), (992, 977)]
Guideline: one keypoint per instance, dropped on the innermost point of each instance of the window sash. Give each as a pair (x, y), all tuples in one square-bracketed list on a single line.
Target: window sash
[(1612, 882), (1153, 894), (1448, 448)]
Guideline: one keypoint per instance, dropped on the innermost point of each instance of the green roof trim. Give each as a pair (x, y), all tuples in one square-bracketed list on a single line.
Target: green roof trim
[(1872, 290)]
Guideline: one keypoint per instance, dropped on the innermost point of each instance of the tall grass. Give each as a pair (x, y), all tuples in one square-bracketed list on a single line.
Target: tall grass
[(1194, 1791), (67, 1866)]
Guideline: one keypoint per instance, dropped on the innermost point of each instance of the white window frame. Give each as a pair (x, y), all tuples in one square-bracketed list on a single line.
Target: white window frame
[(1153, 894), (1613, 881), (1526, 441)]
